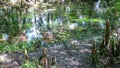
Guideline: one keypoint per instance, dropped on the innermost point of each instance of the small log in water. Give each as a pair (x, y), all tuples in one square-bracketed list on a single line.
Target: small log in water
[(94, 55), (26, 55), (43, 60), (104, 47), (48, 37), (54, 63), (107, 32)]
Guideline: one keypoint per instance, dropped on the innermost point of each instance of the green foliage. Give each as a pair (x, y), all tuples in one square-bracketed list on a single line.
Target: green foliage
[(82, 20), (109, 47), (26, 26), (64, 35), (13, 48), (30, 64), (116, 4), (28, 15), (9, 23)]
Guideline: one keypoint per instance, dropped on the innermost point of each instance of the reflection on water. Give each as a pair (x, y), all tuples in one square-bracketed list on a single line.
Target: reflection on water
[(73, 26), (50, 19), (83, 22), (68, 8), (5, 36), (71, 16), (97, 7), (100, 7)]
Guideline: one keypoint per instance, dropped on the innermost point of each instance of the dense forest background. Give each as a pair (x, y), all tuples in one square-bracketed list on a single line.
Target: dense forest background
[(59, 34)]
